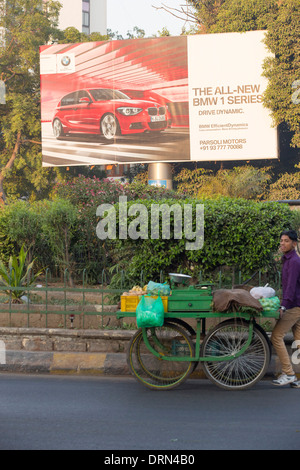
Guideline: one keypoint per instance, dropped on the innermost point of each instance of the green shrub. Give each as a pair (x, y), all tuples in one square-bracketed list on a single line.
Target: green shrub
[(87, 194), (17, 274), (23, 226), (237, 233), (58, 227), (44, 228)]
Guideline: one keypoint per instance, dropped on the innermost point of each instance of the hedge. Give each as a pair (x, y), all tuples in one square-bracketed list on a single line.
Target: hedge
[(237, 232)]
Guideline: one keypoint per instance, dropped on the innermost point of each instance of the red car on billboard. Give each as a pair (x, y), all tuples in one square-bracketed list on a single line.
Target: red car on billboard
[(109, 113)]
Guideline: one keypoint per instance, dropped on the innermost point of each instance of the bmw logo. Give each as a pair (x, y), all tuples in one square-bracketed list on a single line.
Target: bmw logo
[(65, 60)]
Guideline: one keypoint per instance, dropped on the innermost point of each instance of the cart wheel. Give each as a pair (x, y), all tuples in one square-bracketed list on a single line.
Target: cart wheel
[(188, 328), (154, 372), (183, 324), (266, 338), (244, 371)]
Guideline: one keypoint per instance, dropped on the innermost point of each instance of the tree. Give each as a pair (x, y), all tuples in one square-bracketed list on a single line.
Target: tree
[(287, 186), (244, 182), (283, 70), (136, 33), (206, 13), (281, 19), (232, 15), (26, 26), (73, 35), (184, 14)]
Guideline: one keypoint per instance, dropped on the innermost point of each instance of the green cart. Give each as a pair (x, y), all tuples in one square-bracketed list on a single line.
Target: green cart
[(235, 354)]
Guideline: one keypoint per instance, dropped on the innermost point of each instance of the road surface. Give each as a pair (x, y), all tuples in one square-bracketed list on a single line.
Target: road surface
[(40, 412)]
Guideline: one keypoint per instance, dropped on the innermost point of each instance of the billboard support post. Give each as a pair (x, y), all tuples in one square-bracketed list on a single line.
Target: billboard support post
[(160, 174)]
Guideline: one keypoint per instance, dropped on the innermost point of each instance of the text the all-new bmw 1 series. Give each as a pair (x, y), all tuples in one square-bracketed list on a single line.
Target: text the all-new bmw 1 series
[(109, 113)]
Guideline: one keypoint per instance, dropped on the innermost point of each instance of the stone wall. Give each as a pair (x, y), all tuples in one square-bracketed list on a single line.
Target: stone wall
[(59, 339), (64, 351)]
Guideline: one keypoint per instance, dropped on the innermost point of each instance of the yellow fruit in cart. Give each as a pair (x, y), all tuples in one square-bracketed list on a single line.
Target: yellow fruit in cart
[(136, 289)]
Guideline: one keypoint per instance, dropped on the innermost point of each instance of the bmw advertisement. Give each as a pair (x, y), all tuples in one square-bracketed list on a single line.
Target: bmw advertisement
[(167, 99)]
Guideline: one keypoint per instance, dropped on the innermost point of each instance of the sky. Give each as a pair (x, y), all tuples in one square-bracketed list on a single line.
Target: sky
[(123, 15)]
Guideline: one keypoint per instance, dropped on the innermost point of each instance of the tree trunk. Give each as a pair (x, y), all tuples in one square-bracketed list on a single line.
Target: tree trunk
[(8, 166)]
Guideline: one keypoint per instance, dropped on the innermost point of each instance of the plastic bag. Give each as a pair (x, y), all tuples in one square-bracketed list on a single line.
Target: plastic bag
[(150, 312), (269, 304), (262, 292), (154, 288)]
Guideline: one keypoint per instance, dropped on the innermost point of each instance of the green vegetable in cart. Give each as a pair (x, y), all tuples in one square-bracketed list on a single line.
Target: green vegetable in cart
[(150, 312), (155, 288), (270, 304)]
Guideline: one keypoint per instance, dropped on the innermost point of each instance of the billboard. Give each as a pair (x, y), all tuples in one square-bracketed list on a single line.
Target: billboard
[(167, 99)]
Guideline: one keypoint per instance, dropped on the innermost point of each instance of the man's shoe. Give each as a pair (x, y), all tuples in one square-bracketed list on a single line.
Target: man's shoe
[(295, 384), (284, 379)]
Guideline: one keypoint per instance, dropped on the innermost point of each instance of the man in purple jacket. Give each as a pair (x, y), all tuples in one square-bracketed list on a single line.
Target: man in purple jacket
[(290, 307)]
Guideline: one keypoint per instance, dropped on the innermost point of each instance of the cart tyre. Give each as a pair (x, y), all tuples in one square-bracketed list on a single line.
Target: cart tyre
[(244, 371), (183, 324), (266, 338), (154, 372)]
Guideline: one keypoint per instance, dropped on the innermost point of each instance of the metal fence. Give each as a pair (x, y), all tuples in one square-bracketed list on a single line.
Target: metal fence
[(52, 303)]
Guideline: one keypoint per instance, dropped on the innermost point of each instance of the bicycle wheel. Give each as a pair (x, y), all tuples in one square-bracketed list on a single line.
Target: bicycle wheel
[(154, 372), (244, 371)]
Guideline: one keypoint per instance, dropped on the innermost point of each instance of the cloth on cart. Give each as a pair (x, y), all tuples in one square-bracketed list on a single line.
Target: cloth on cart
[(233, 299)]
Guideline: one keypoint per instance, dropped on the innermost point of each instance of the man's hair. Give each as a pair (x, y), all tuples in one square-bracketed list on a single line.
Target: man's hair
[(292, 234)]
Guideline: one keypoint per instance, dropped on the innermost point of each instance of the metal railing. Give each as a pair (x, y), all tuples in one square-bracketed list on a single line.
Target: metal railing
[(88, 306)]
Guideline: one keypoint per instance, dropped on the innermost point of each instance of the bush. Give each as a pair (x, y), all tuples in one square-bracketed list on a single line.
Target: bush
[(87, 194), (58, 228), (21, 225), (45, 228), (94, 191), (237, 233)]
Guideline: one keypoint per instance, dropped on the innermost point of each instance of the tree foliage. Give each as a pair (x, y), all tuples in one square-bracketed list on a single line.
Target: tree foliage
[(25, 27), (244, 181), (72, 35), (283, 70), (240, 16), (286, 187)]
